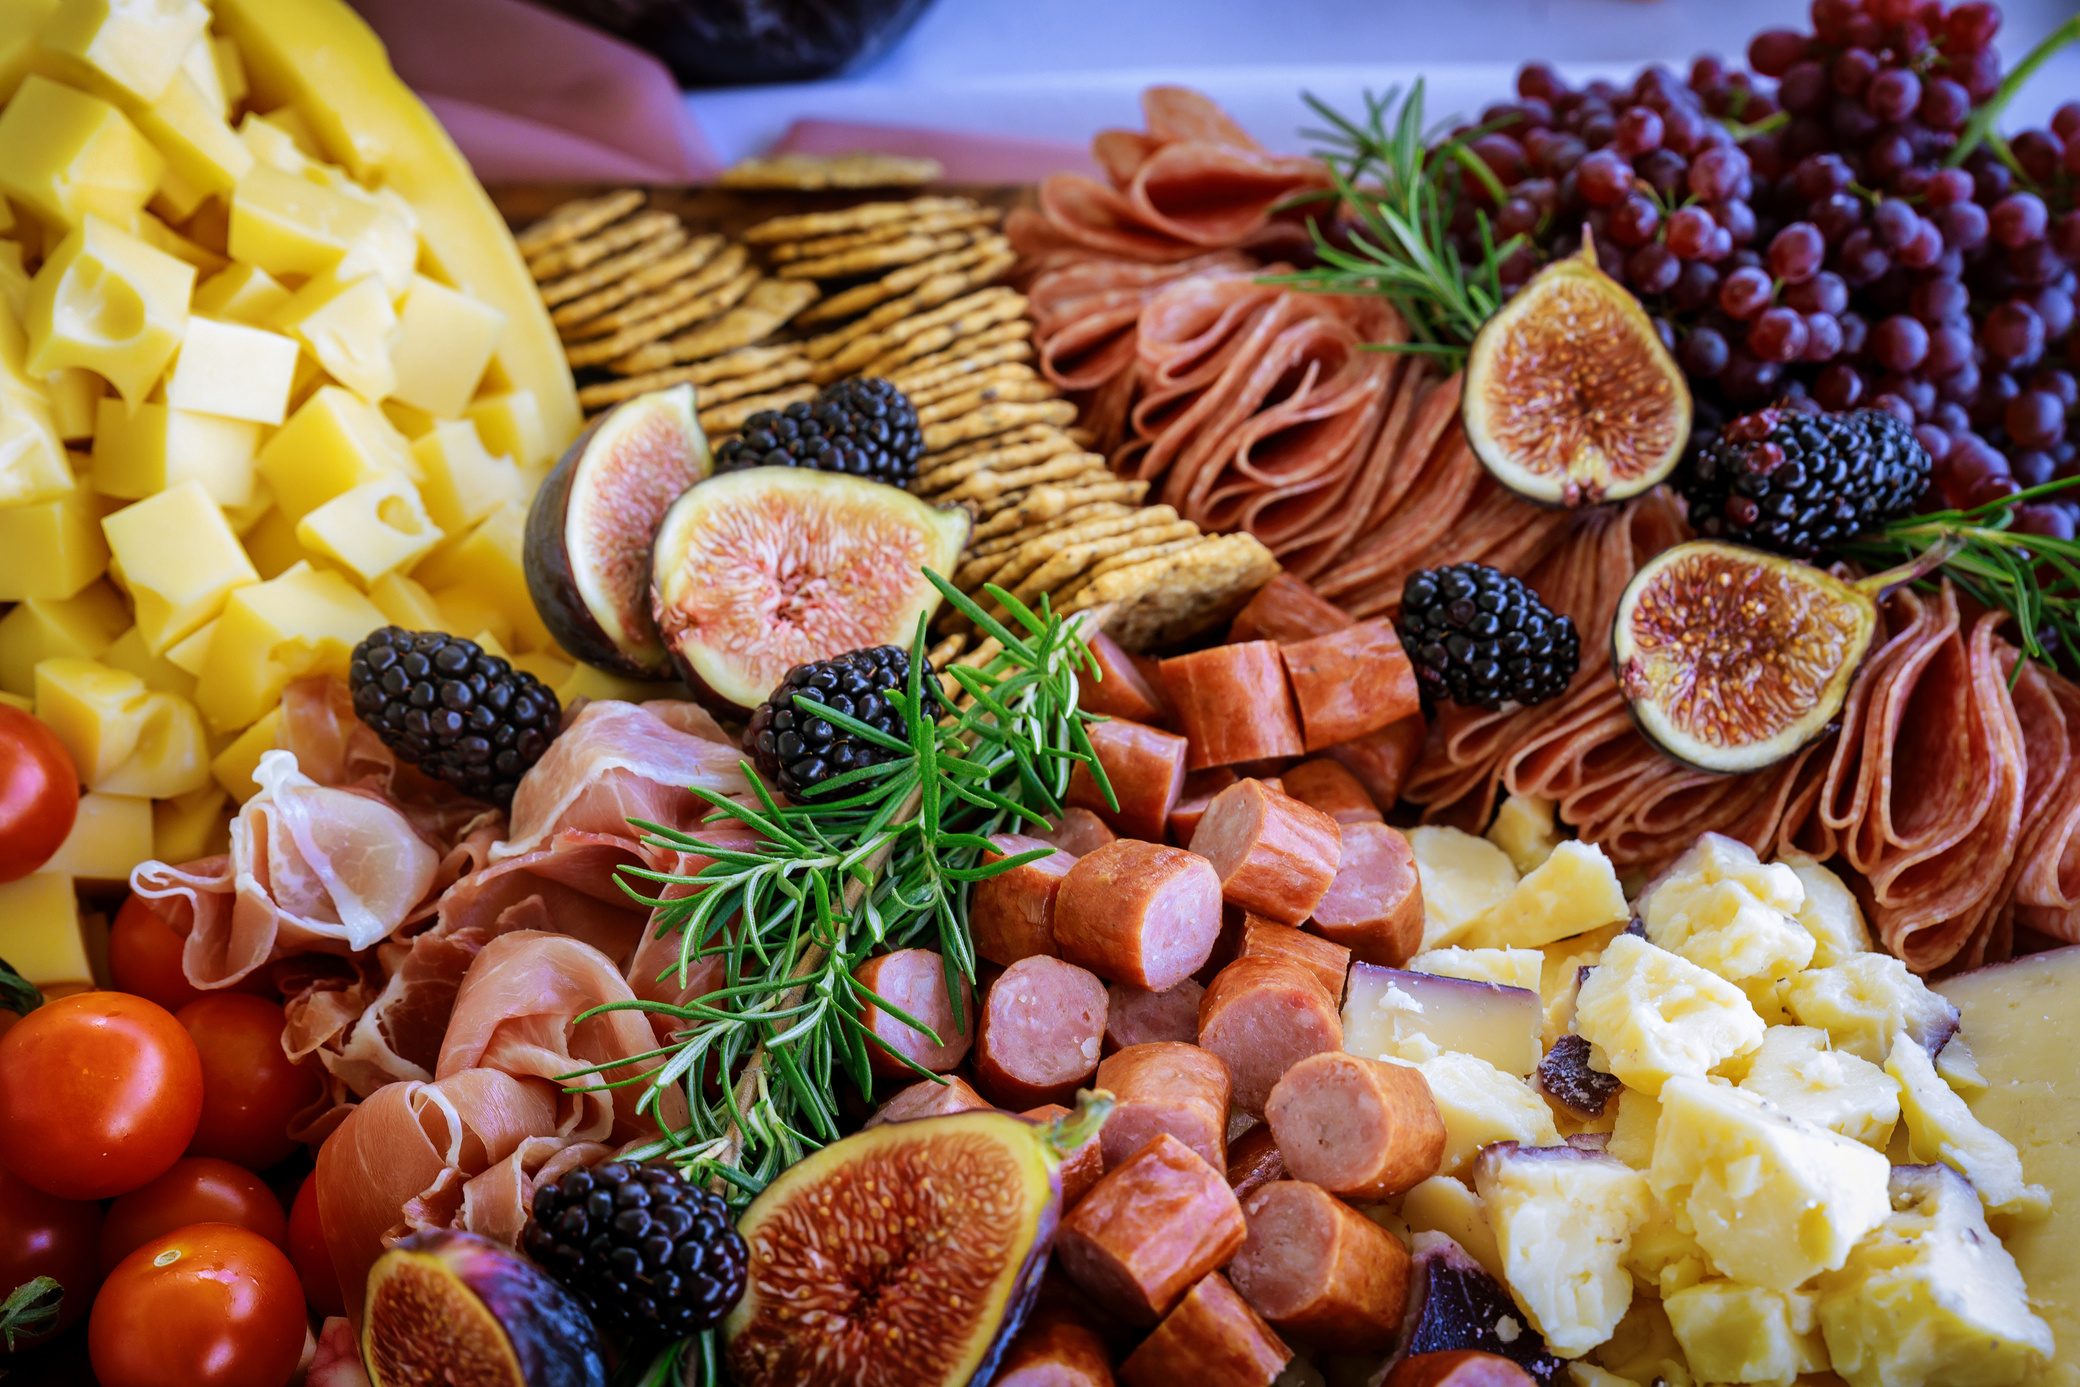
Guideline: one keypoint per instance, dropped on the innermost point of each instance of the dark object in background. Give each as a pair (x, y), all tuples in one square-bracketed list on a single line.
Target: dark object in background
[(727, 43)]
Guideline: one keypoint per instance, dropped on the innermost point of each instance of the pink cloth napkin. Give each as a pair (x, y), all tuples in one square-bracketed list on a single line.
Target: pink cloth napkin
[(534, 97)]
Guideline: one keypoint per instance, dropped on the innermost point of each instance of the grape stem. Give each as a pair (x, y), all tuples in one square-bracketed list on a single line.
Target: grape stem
[(1980, 126)]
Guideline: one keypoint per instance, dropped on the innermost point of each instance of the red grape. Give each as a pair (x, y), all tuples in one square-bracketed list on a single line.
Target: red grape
[(1539, 80), (1896, 407), (2053, 522), (2057, 383), (1748, 379), (1851, 71), (1703, 353), (1862, 258), (1934, 441), (2065, 235), (1503, 156), (1836, 215), (2018, 219), (1851, 121), (1716, 173), (1941, 301), (1804, 90), (1899, 343), (1949, 347), (1960, 386), (1832, 18), (1963, 225), (1838, 387), (1895, 222), (1779, 335), (1823, 337), (1972, 26), (1517, 217), (1996, 389), (1795, 252), (1603, 178), (1924, 248), (1773, 51), (2065, 121), (1707, 70), (1945, 104), (1736, 219), (1652, 269), (2012, 331), (1821, 174), (1824, 293), (2069, 156), (1744, 293), (2038, 153), (1690, 232), (1695, 287), (2031, 467), (2055, 306), (1991, 490), (2035, 419), (1639, 130), (1947, 186), (1893, 94), (1633, 221), (1980, 72), (1855, 331)]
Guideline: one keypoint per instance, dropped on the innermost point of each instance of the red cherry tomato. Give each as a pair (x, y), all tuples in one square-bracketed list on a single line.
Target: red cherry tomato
[(250, 1089), (144, 956), (208, 1306), (311, 1255), (44, 1236), (199, 1189), (39, 793), (99, 1092)]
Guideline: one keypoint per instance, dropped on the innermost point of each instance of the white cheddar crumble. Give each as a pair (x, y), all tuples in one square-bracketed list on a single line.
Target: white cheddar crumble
[(1563, 1220), (1863, 1001), (1481, 1104), (1572, 892), (1652, 1015), (1732, 1332), (1504, 967), (1797, 1073), (1461, 876), (1524, 828), (1941, 1128), (1726, 911)]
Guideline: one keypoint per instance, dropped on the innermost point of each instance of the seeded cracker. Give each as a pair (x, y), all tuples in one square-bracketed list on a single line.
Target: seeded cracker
[(575, 220), (923, 395), (931, 223), (804, 225), (690, 271), (937, 290), (940, 477), (986, 258), (1004, 541), (730, 417), (1179, 595), (812, 172), (743, 362), (1015, 331), (997, 392), (904, 250), (1032, 433), (977, 309), (566, 259), (1059, 536), (994, 419), (1041, 507), (1077, 558), (1045, 501), (1068, 591), (989, 481), (595, 353), (988, 358), (788, 372), (770, 304), (607, 271)]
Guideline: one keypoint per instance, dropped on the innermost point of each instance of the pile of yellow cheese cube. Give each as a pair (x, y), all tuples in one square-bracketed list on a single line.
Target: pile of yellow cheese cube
[(272, 374)]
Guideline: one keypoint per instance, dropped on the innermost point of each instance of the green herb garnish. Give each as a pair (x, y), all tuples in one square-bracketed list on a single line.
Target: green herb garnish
[(30, 1309), (17, 993)]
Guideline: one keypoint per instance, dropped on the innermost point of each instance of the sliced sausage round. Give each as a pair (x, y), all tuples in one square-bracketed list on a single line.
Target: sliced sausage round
[(1329, 787), (1079, 831), (1134, 1017), (1011, 915), (1287, 609), (1212, 1339), (1149, 1229), (1253, 1162), (1317, 1268), (1329, 962), (1275, 855), (1145, 767), (1262, 1016), (1054, 1350), (1166, 1088), (1374, 908), (913, 981), (1121, 689), (1382, 760), (1199, 789), (1359, 1128), (1139, 913), (1350, 682), (1043, 1025), (1233, 704)]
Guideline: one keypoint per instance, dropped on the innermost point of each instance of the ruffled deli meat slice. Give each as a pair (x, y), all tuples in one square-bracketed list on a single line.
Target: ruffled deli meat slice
[(2047, 886), (468, 1149)]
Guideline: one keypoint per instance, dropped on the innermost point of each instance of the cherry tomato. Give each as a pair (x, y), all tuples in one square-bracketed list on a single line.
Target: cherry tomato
[(99, 1092), (311, 1255), (250, 1089), (39, 793), (199, 1189), (210, 1305), (44, 1236), (144, 956)]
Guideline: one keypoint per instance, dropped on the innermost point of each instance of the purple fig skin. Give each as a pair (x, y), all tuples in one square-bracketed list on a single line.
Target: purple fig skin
[(552, 1338)]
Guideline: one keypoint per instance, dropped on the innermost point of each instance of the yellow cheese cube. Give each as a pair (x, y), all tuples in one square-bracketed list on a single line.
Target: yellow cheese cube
[(487, 562), (546, 665), (301, 623), (1632, 1136), (199, 65), (1572, 892), (171, 757), (1725, 910), (1441, 1204), (272, 545), (187, 126), (43, 936), (1736, 1333), (51, 548), (511, 425), (191, 826), (1649, 1014), (143, 452), (14, 279), (27, 705), (231, 72), (410, 420), (180, 559), (158, 235), (20, 23), (463, 609), (188, 654), (1504, 967), (234, 371), (1772, 1200), (1664, 1257), (1462, 878), (235, 764), (107, 301), (1481, 1104), (1933, 1297), (97, 712), (32, 455), (588, 681), (177, 200), (370, 530), (389, 248), (350, 326), (1796, 1073), (405, 603), (332, 444), (1830, 914), (1563, 1220), (110, 835), (1865, 1000), (138, 44), (444, 341), (242, 294), (40, 629), (288, 225), (464, 483), (65, 155), (288, 123), (1524, 828), (160, 674), (75, 403), (1941, 1128)]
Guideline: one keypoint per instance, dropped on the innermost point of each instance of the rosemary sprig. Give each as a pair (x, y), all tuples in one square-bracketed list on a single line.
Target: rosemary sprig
[(882, 859), (1401, 184), (2033, 578)]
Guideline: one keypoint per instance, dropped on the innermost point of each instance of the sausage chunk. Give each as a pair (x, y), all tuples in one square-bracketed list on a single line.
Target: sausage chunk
[(1011, 915), (1138, 913), (1350, 682), (914, 981), (1166, 1088), (1459, 1368), (1199, 789), (1081, 1167), (1318, 1269), (1329, 962), (1262, 1016), (1042, 1025), (929, 1098), (1122, 689), (1233, 704), (1287, 609), (1149, 1229), (1360, 1128), (1327, 786), (1145, 766), (1381, 760), (1078, 832), (1374, 908), (1134, 1017), (1212, 1339), (1253, 1162), (1275, 855), (1055, 1350)]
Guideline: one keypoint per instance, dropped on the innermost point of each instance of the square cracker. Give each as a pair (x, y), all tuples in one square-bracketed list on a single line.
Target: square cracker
[(924, 396), (743, 362), (599, 276), (950, 374), (595, 352), (691, 270), (984, 258), (988, 482), (576, 255), (770, 304), (946, 288), (803, 225), (944, 475), (903, 250), (811, 172), (995, 419), (1016, 331), (1176, 596), (1076, 559), (1013, 392), (952, 219), (576, 220), (1004, 539), (1050, 500)]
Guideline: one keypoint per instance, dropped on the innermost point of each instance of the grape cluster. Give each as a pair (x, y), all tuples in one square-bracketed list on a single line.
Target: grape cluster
[(1795, 233)]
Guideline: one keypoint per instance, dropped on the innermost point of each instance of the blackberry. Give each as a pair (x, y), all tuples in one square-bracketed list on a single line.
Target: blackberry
[(1483, 638), (1800, 483), (456, 713), (799, 752), (653, 1256), (864, 427)]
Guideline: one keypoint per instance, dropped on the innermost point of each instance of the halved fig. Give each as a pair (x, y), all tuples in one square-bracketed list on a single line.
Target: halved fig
[(1570, 398), (908, 1252), (590, 528), (1732, 658), (755, 572), (454, 1307)]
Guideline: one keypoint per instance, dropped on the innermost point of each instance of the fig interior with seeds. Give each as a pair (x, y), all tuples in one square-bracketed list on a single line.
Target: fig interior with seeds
[(1570, 397)]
